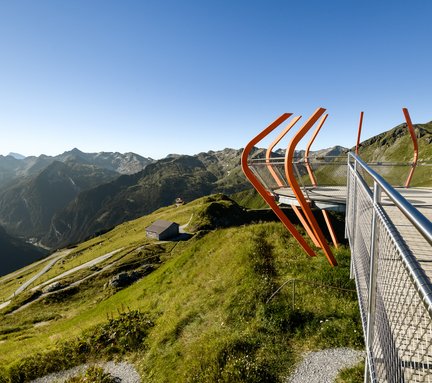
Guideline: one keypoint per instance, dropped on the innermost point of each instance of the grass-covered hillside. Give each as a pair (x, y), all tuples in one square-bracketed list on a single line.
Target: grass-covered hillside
[(203, 309)]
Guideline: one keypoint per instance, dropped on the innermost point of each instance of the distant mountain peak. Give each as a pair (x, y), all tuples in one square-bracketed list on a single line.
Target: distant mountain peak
[(74, 152), (17, 156)]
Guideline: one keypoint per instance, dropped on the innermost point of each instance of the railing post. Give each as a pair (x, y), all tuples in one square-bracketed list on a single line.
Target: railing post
[(353, 215), (347, 196), (373, 268), (348, 214)]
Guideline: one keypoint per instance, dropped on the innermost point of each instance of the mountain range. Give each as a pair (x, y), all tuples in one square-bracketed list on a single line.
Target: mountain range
[(57, 201), (15, 166)]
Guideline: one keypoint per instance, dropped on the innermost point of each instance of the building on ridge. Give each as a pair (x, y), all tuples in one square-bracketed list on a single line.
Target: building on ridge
[(162, 230)]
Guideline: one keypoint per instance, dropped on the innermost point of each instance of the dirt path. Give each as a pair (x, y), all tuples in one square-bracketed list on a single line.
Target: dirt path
[(53, 258), (124, 372), (80, 267), (60, 254)]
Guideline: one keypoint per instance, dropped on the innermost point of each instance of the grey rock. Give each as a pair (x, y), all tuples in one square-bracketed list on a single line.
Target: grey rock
[(53, 287)]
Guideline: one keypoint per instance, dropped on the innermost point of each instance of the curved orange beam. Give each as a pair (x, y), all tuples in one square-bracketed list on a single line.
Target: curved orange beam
[(414, 140), (306, 156), (280, 183), (289, 155), (305, 224), (314, 181), (330, 228), (359, 133), (271, 147), (263, 192)]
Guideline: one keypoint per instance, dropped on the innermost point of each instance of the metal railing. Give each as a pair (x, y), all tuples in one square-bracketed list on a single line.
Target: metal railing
[(395, 294)]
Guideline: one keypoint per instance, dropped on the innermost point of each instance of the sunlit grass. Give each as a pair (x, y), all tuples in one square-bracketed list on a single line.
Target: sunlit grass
[(207, 298)]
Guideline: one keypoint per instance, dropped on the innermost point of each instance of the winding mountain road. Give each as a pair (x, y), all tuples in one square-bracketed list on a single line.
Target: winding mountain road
[(48, 266), (80, 267)]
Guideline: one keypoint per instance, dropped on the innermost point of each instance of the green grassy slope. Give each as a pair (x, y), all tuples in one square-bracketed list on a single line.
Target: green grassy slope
[(395, 146), (204, 313), (250, 199)]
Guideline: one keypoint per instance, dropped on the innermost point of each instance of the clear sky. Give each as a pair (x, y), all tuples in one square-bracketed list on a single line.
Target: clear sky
[(158, 77)]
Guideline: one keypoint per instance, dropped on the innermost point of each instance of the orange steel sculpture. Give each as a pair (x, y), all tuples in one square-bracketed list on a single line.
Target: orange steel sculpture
[(289, 172), (306, 156), (261, 189), (280, 183), (271, 147), (309, 222), (314, 181), (359, 133), (414, 140)]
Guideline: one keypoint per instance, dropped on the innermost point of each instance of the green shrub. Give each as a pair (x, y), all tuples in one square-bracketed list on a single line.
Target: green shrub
[(117, 336), (352, 374), (94, 374), (61, 296), (237, 361), (3, 375)]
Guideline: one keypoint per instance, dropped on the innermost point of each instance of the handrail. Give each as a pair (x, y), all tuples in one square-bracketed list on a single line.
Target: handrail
[(414, 140), (296, 189), (263, 192), (423, 225)]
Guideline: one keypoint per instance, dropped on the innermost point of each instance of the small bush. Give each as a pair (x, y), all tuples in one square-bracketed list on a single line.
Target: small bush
[(117, 336), (3, 376), (237, 361), (61, 296), (94, 374), (352, 374)]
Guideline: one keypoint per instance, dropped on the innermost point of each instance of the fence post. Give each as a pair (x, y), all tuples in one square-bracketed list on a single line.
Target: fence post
[(373, 268), (347, 196), (352, 216)]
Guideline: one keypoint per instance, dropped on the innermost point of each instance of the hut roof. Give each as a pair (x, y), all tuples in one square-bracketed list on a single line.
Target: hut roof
[(160, 226)]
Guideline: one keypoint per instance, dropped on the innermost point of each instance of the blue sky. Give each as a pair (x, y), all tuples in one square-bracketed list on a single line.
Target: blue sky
[(160, 77)]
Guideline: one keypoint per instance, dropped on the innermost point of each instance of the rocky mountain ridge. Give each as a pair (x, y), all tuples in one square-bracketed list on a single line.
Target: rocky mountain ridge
[(13, 167), (97, 208), (27, 206)]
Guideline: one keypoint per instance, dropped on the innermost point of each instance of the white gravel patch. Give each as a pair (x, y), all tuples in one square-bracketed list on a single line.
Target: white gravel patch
[(125, 372), (324, 366)]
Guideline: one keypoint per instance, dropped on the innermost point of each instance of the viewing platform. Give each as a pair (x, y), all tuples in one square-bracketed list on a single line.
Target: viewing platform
[(389, 230)]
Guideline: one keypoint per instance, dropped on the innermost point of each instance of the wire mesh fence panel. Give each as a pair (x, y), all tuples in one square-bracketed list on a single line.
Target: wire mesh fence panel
[(402, 346), (359, 222), (397, 321)]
